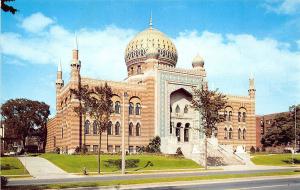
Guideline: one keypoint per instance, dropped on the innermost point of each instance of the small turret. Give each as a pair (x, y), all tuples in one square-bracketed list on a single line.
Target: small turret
[(198, 61), (251, 87), (59, 80)]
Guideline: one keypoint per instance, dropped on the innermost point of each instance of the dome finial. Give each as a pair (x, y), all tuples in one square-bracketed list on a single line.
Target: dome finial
[(150, 21)]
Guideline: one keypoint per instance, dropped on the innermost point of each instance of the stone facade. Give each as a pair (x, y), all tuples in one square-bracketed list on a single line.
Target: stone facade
[(156, 98)]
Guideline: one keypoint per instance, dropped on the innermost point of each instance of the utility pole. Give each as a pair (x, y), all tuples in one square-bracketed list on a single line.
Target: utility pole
[(123, 133), (295, 132)]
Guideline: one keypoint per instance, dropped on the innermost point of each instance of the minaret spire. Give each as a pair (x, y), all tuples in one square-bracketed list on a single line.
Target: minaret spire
[(150, 21), (75, 42), (59, 80), (59, 69)]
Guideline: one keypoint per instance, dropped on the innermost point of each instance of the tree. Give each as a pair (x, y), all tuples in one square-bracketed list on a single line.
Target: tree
[(96, 102), (8, 8), (282, 130), (25, 118), (209, 104)]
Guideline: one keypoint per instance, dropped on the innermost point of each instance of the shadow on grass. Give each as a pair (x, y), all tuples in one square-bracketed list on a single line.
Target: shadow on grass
[(290, 161), (148, 164), (8, 167)]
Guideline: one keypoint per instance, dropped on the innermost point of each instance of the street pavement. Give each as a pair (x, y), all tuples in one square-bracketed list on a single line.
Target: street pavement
[(18, 182), (252, 183)]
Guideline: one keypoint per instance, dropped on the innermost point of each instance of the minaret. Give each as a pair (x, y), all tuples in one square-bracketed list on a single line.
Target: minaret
[(251, 86), (59, 80), (75, 66)]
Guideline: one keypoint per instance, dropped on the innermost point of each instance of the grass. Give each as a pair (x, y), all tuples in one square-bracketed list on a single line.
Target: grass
[(76, 163), (12, 166), (149, 180), (276, 159)]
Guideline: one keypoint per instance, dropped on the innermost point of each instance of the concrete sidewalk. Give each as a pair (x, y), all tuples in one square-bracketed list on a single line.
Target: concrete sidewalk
[(41, 168)]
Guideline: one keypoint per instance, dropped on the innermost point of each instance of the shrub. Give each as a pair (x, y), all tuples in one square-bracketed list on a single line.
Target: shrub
[(252, 150), (179, 152), (154, 145), (31, 148), (56, 150), (263, 149), (3, 181), (257, 149)]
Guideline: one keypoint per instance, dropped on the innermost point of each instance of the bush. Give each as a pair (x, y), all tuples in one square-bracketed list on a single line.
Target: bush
[(81, 150), (154, 145), (257, 149), (130, 163), (3, 181), (263, 149), (252, 150), (179, 152), (31, 148), (56, 150)]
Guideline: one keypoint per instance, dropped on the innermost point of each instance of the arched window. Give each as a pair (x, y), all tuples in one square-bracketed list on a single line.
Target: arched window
[(95, 127), (87, 127), (244, 117), (130, 129), (139, 69), (244, 134), (225, 133), (117, 107), (177, 109), (239, 116), (230, 116), (225, 115), (215, 132), (109, 128), (239, 133), (230, 134), (186, 132), (138, 109), (117, 128), (178, 126), (186, 109), (138, 129), (131, 108), (171, 127)]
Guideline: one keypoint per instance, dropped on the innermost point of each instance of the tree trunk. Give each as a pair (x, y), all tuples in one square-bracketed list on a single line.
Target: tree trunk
[(205, 154), (99, 149)]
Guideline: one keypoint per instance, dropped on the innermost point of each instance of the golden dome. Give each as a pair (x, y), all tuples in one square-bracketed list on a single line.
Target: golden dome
[(137, 49)]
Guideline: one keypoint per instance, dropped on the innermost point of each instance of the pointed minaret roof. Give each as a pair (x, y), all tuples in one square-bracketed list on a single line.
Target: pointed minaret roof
[(150, 21), (251, 75), (75, 42), (59, 66)]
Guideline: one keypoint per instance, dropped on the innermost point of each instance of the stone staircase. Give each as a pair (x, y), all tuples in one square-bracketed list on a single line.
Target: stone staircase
[(218, 155)]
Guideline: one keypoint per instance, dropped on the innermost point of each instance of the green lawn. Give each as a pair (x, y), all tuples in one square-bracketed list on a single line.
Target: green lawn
[(12, 166), (276, 159), (75, 163)]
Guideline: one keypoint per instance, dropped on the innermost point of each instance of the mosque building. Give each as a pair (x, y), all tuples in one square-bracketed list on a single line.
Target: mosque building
[(156, 98)]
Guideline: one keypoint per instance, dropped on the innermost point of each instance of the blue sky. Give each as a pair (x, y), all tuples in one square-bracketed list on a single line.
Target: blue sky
[(234, 37)]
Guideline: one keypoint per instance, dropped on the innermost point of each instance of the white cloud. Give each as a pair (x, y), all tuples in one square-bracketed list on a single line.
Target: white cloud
[(36, 22), (283, 6), (229, 58)]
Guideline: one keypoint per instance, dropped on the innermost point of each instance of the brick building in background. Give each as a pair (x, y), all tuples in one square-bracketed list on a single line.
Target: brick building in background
[(262, 124)]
